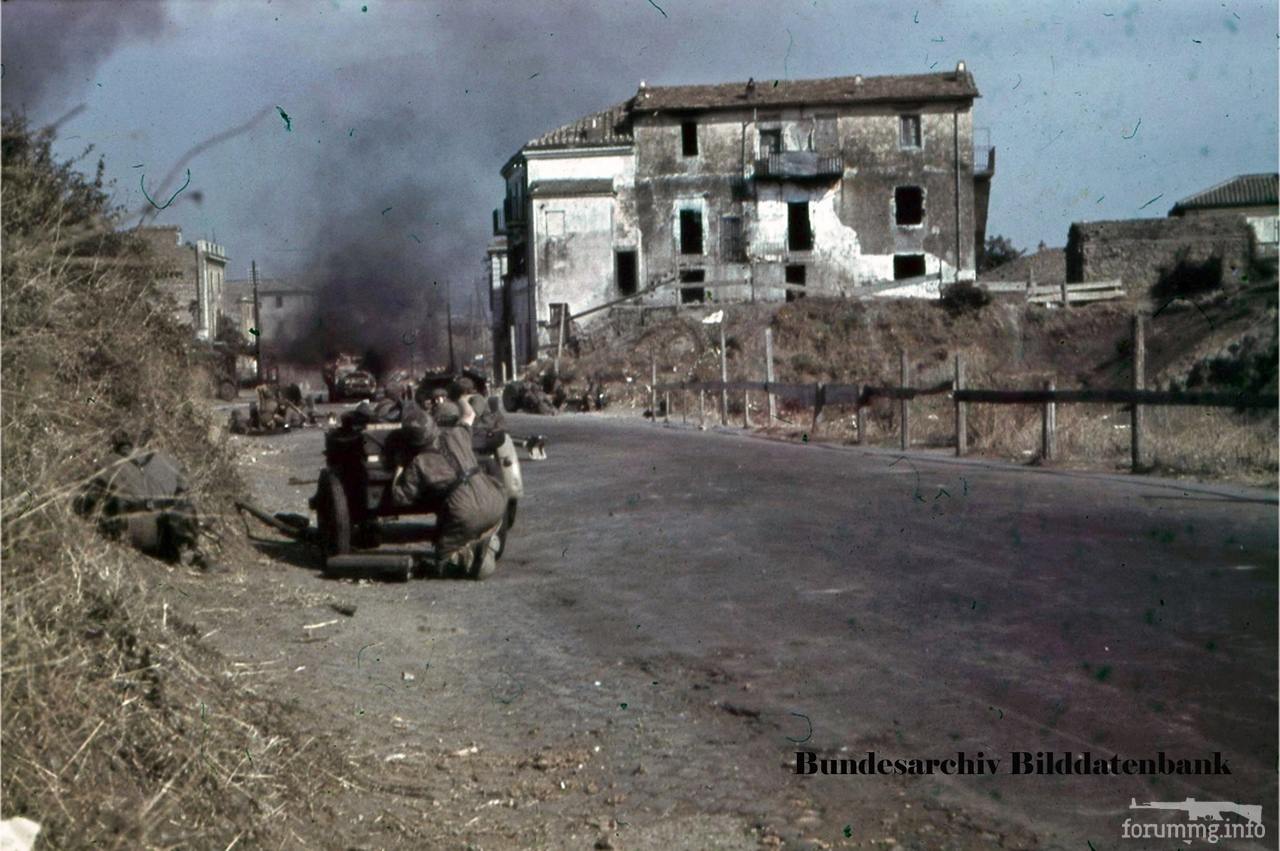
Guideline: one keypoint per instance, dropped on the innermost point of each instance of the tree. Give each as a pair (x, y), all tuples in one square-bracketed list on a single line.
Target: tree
[(999, 250)]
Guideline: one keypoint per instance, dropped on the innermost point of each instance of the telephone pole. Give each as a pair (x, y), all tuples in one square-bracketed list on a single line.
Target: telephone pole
[(257, 325)]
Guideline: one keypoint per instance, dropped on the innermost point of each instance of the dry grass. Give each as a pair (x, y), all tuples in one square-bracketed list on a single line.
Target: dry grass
[(1005, 345), (115, 732)]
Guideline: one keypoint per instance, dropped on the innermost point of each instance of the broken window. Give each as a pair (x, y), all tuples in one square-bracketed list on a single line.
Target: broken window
[(824, 135), (908, 205), (909, 131), (795, 277), (689, 138), (907, 266), (733, 249), (626, 272), (559, 314), (799, 233), (693, 295), (690, 231), (770, 141)]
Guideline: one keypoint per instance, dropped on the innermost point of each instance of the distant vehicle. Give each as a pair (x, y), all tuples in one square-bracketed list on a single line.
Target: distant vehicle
[(222, 361), (346, 380)]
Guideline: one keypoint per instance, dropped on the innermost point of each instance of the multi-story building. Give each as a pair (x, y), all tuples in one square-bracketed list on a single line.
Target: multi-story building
[(190, 276), (740, 191)]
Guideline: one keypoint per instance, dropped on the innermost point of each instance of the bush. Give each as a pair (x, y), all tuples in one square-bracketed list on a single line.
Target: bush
[(1188, 278), (964, 297)]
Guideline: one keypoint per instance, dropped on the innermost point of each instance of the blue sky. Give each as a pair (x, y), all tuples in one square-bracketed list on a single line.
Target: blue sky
[(1095, 108)]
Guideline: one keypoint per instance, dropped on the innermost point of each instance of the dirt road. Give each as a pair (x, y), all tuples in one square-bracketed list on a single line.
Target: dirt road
[(679, 613)]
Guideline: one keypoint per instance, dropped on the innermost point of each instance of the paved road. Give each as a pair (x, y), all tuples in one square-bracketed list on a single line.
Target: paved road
[(913, 606)]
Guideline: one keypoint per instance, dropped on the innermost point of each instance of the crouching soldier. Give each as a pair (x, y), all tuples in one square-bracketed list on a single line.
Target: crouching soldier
[(443, 473), (141, 496)]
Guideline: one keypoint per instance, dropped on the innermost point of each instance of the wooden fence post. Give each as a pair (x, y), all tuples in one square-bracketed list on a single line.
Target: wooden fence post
[(1048, 427), (1139, 383), (860, 412), (1066, 296), (702, 408), (746, 409), (768, 374), (724, 377), (962, 429), (653, 387), (666, 405), (904, 405), (684, 405)]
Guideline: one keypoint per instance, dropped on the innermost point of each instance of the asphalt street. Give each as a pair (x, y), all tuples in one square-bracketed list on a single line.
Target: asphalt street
[(845, 601), (916, 607)]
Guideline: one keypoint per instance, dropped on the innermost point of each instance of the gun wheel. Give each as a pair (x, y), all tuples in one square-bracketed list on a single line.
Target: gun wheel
[(333, 516)]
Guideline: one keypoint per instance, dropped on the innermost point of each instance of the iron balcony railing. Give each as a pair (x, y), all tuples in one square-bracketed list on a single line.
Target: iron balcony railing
[(799, 165)]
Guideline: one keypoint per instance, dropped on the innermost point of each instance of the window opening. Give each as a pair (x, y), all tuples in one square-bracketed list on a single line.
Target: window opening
[(908, 205), (799, 232)]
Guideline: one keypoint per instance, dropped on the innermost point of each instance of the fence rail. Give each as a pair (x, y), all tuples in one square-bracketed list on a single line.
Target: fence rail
[(819, 395), (1058, 293)]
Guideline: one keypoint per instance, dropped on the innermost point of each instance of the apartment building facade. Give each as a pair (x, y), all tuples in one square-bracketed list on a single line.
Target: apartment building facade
[(741, 191)]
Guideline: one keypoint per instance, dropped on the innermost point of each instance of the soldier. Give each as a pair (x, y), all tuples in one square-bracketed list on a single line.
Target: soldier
[(488, 412), (444, 473), (142, 495), (388, 408)]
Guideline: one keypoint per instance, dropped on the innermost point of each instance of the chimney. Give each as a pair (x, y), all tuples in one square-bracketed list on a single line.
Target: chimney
[(857, 79), (960, 68)]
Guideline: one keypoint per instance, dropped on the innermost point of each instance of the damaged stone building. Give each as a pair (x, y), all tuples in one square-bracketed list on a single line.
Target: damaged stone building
[(189, 276), (1234, 221), (760, 190)]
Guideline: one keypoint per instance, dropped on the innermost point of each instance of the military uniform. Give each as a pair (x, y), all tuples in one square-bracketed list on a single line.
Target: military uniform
[(143, 497), (444, 473)]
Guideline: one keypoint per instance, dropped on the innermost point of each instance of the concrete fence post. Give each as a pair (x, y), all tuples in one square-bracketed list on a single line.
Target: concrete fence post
[(962, 426), (702, 408), (768, 374), (1139, 383), (666, 405), (724, 378), (1066, 296), (904, 406), (746, 409), (1048, 426)]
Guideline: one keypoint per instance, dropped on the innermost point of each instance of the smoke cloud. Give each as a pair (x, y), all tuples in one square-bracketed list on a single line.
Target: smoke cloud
[(52, 47)]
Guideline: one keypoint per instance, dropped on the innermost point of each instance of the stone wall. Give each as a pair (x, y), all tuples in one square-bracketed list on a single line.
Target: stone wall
[(1137, 250)]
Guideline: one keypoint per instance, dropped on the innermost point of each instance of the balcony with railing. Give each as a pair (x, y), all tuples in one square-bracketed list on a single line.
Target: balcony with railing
[(799, 165), (984, 160)]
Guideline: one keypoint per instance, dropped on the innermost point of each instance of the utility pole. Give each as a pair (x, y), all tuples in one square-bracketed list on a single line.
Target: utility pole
[(448, 319), (257, 325)]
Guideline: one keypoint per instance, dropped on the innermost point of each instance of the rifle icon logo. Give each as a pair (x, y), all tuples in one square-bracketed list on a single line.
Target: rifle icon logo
[(1197, 810)]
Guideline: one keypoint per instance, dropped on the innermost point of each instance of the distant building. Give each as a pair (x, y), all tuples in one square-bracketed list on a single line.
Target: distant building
[(741, 191), (1246, 194), (190, 276), (287, 312), (1235, 221)]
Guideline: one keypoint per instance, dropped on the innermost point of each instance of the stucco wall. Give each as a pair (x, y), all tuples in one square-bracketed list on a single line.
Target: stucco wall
[(855, 236)]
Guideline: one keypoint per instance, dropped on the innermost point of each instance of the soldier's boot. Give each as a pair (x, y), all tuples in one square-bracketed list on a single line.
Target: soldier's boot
[(457, 562)]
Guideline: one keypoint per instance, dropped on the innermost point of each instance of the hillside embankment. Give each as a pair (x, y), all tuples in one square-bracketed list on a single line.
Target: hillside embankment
[(1222, 340), (121, 729)]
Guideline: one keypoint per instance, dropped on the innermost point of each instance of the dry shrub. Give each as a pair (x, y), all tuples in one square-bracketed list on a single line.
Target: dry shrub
[(117, 733)]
